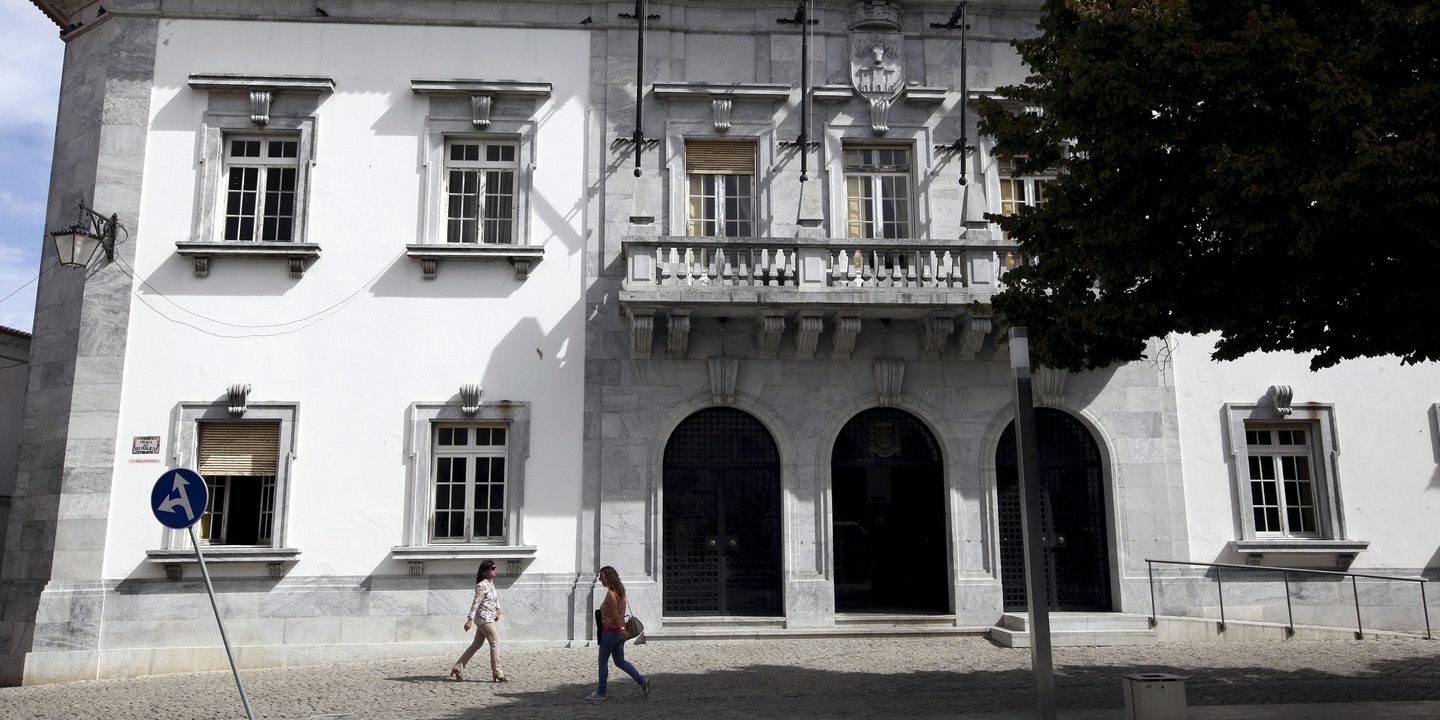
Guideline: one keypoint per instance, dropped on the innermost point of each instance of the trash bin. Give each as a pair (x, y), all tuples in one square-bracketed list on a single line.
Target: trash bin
[(1154, 696)]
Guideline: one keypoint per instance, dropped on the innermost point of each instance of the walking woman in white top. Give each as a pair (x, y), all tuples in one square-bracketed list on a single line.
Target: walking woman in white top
[(485, 608)]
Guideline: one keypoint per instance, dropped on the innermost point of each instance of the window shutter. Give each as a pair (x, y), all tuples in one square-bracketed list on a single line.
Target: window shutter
[(719, 158), (246, 448)]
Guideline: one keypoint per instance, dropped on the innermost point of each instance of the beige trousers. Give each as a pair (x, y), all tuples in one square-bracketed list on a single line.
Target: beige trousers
[(483, 632)]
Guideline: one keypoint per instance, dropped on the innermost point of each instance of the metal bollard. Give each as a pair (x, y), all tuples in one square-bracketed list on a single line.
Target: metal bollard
[(1154, 696)]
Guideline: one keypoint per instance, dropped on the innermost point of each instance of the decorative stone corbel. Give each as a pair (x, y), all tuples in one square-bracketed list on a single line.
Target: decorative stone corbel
[(427, 268), (677, 339), (721, 107), (880, 115), (723, 373), (768, 328), (297, 267), (889, 376), (934, 332), (480, 110), (1281, 396), (807, 335), (239, 394), (1049, 386), (202, 266), (260, 106), (470, 399), (642, 332), (973, 330), (522, 266), (842, 343)]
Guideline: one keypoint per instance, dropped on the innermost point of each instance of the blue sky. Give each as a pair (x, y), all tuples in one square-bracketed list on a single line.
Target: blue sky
[(31, 55)]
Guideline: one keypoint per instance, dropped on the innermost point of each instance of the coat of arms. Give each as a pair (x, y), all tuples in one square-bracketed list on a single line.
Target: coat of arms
[(877, 71)]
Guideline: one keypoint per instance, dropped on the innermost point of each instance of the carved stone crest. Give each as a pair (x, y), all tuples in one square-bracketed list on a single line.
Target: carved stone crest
[(877, 72)]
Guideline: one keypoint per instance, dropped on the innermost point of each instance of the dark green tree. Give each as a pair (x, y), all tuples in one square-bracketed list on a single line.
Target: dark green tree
[(1268, 170)]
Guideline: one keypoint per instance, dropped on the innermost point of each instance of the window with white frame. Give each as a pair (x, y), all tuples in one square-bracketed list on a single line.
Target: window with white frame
[(877, 191), (480, 191), (1286, 481), (469, 489), (1017, 191), (245, 462), (466, 481), (720, 179), (1280, 466), (261, 182), (239, 461), (257, 151)]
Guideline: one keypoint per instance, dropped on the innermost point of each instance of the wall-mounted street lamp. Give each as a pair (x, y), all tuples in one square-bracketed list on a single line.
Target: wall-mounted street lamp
[(77, 244)]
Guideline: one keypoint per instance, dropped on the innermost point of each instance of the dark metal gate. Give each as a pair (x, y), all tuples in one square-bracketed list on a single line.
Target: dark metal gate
[(887, 492), (1072, 516), (721, 517)]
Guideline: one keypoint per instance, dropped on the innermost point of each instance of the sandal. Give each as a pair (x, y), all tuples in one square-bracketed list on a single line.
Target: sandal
[(499, 678), (456, 674)]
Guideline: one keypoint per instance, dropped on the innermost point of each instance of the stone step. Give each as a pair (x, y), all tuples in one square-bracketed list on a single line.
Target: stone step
[(846, 625), (1077, 630)]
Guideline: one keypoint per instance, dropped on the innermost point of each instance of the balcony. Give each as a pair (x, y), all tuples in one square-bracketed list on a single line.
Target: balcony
[(945, 285)]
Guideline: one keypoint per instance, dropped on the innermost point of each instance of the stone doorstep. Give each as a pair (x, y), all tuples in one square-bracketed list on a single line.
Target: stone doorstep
[(711, 628), (1078, 630)]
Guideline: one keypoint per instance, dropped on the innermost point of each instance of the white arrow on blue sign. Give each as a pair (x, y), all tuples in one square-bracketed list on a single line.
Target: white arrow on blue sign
[(179, 498)]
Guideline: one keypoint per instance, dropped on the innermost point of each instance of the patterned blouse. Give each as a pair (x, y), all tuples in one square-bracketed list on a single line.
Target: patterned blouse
[(487, 603)]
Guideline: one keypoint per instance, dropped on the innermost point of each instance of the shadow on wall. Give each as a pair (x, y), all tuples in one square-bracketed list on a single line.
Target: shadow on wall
[(791, 692)]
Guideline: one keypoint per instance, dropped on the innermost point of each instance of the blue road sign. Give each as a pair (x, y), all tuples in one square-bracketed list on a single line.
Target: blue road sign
[(179, 498)]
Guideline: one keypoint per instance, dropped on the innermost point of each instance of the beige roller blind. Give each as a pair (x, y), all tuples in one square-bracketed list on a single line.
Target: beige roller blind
[(719, 158), (244, 448)]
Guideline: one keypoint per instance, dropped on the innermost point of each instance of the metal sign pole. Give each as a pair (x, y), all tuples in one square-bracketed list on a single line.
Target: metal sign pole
[(1041, 659), (223, 637)]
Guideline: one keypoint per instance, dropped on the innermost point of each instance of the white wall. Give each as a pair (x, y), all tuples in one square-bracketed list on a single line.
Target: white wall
[(1389, 480), (378, 337)]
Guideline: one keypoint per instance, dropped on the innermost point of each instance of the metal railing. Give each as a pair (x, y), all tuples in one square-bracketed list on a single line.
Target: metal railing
[(1290, 612)]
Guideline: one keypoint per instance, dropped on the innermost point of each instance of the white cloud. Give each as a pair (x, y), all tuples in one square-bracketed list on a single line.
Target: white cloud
[(31, 57)]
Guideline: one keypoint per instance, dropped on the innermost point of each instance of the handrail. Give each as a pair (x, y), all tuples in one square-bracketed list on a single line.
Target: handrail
[(1290, 613)]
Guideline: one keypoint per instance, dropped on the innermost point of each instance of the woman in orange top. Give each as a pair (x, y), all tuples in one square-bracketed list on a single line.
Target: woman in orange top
[(612, 634)]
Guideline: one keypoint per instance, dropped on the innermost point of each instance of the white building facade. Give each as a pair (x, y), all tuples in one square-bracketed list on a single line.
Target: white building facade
[(389, 280)]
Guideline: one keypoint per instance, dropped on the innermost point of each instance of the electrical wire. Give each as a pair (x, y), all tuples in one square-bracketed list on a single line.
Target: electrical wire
[(309, 320), (27, 282)]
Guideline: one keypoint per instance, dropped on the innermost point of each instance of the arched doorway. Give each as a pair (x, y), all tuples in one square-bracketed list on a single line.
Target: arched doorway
[(888, 500), (721, 516), (1072, 509)]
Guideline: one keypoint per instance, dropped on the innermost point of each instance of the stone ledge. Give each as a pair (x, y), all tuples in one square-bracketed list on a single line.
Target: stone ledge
[(175, 561), (299, 255), (521, 257), (1343, 552), (417, 555)]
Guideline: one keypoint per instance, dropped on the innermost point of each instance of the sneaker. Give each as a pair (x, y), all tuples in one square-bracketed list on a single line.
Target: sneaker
[(645, 688), (597, 695)]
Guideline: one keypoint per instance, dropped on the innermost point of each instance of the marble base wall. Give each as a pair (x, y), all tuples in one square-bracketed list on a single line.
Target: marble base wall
[(145, 627)]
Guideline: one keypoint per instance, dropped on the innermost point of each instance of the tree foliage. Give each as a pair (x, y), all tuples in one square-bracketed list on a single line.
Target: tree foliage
[(1268, 170)]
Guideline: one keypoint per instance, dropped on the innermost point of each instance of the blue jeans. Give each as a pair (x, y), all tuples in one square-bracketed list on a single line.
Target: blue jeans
[(613, 644)]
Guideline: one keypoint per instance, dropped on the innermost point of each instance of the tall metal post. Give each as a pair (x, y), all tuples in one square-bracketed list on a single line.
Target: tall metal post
[(244, 700), (1041, 658)]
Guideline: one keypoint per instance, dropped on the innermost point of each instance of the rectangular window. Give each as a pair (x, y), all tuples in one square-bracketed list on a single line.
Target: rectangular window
[(1017, 191), (721, 181), (260, 188), (877, 192), (239, 461), (1282, 484), (469, 483), (480, 191)]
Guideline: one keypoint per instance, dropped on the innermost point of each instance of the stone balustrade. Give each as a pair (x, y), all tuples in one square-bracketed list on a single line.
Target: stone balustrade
[(655, 264)]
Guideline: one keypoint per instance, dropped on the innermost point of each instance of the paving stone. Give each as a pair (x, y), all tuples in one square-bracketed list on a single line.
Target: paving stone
[(950, 678)]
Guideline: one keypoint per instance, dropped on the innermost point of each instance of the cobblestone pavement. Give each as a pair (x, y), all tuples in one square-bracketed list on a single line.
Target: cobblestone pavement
[(783, 679)]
